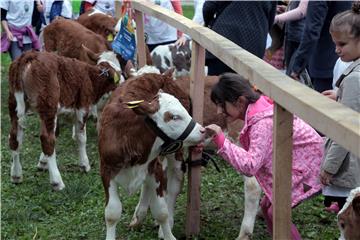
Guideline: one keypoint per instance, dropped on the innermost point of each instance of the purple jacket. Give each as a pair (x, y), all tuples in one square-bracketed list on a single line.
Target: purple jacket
[(255, 158), (19, 33)]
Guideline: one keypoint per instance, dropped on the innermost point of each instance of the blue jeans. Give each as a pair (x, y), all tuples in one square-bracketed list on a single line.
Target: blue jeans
[(15, 51)]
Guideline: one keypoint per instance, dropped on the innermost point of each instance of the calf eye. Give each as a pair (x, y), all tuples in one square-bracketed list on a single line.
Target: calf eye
[(175, 117), (342, 225)]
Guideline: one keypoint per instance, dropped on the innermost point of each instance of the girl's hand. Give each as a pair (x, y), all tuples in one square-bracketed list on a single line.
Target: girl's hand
[(9, 35), (330, 94), (325, 177), (295, 76), (212, 130)]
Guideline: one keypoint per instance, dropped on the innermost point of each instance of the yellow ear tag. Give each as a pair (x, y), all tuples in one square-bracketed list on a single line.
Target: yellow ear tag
[(110, 37), (134, 104), (116, 78)]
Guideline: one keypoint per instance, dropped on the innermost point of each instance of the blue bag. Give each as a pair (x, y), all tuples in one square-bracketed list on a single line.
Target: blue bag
[(124, 42)]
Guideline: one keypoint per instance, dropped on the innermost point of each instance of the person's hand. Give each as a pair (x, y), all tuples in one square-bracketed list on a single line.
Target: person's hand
[(39, 6), (280, 9), (9, 35), (212, 130), (325, 177), (330, 94), (295, 76), (181, 41), (198, 148)]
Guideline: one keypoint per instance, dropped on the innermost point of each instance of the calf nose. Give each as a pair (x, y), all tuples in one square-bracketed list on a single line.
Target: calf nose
[(202, 130)]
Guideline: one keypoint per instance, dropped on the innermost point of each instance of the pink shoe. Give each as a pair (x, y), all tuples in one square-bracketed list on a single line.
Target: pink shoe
[(334, 208)]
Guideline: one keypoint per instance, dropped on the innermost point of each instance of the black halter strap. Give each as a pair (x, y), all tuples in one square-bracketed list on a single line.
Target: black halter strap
[(170, 145)]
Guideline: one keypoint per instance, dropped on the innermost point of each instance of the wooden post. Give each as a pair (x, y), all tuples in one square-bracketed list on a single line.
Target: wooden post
[(192, 227), (282, 165), (140, 37)]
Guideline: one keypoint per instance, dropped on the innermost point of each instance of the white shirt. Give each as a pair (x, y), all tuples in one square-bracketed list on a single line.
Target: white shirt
[(157, 31), (105, 6), (66, 10), (19, 14), (339, 68)]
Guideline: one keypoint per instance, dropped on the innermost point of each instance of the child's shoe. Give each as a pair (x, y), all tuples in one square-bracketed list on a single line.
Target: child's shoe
[(334, 208)]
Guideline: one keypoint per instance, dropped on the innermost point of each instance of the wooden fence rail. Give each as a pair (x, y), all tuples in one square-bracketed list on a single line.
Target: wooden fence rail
[(336, 121)]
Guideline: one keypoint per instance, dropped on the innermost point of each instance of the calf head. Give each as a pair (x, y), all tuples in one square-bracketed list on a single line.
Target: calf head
[(108, 62), (172, 121), (181, 57), (349, 217)]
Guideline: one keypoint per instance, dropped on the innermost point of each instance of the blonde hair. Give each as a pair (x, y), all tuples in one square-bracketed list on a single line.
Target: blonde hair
[(348, 20)]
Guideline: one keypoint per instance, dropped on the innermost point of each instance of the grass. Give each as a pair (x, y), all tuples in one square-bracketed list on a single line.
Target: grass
[(31, 210)]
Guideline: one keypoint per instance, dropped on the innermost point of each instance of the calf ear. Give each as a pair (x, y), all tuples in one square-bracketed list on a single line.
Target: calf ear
[(169, 73), (93, 56), (356, 204), (143, 107)]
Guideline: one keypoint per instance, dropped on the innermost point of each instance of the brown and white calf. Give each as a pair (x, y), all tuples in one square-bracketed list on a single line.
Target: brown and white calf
[(169, 56), (50, 85), (175, 174), (349, 217), (66, 37), (129, 148)]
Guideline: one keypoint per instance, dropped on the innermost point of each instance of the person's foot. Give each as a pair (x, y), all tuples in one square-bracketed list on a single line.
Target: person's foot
[(334, 208)]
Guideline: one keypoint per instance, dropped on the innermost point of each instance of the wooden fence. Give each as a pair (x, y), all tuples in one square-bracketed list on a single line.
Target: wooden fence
[(336, 121)]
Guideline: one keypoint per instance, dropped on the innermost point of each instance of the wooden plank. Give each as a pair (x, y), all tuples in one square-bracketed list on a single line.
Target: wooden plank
[(340, 123), (192, 226), (140, 37), (282, 162)]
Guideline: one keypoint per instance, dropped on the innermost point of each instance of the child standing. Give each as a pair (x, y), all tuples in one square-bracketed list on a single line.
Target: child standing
[(340, 169), (235, 97)]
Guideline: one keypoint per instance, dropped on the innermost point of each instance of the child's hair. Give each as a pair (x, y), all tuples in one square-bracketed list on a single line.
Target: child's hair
[(230, 87), (348, 21)]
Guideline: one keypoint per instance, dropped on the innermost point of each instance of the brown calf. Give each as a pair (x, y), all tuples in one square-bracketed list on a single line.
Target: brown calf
[(50, 85), (99, 23), (129, 147)]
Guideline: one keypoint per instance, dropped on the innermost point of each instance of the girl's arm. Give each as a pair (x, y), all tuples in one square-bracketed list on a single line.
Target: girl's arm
[(178, 9), (336, 154), (249, 162), (5, 25), (294, 14)]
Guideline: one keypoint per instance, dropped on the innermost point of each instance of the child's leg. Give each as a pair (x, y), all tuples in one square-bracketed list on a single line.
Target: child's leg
[(267, 208)]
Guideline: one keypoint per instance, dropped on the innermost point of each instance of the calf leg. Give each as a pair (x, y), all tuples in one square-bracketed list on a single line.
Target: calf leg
[(80, 136), (47, 137), (16, 111), (159, 208), (113, 210), (252, 196), (175, 179), (142, 206), (43, 162)]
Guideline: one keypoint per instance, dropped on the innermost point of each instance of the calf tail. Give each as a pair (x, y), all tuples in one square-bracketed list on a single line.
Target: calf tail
[(16, 81)]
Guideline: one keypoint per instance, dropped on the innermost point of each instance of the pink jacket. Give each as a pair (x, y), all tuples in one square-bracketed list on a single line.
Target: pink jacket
[(255, 158)]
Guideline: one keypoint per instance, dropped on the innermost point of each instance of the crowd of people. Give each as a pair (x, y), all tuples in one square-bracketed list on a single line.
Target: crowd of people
[(321, 38)]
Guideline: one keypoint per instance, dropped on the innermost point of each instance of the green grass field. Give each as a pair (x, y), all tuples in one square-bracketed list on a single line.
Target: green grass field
[(31, 210)]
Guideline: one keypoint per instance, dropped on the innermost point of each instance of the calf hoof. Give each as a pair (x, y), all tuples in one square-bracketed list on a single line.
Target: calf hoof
[(134, 222), (84, 168), (57, 186), (245, 236), (16, 179), (42, 166)]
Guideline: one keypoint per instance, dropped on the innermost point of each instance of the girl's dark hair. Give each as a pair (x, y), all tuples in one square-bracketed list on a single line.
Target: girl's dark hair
[(349, 18), (230, 87)]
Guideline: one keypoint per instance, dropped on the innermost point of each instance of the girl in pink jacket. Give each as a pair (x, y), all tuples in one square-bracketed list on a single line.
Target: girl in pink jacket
[(235, 97)]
